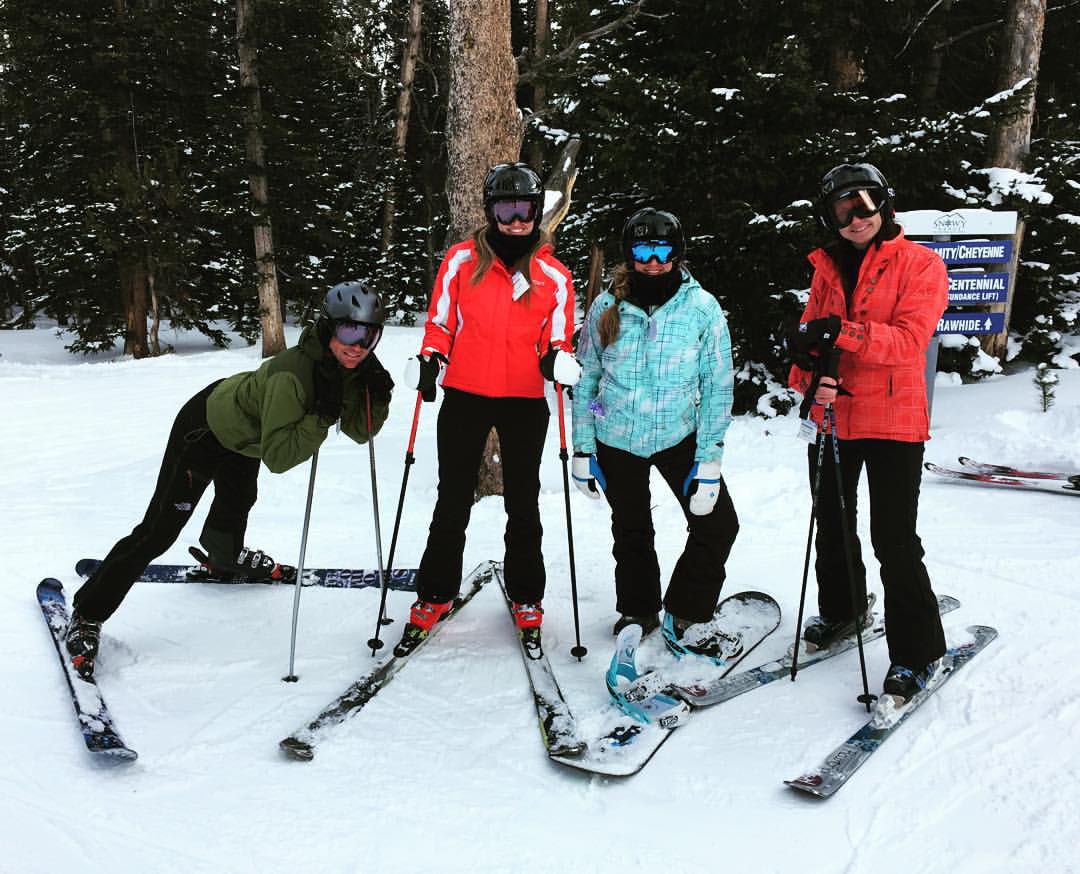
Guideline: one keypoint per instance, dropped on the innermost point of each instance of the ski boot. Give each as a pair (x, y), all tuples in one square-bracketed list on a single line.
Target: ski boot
[(82, 639), (704, 639), (527, 618), (648, 622), (422, 618), (821, 633), (250, 564), (903, 683)]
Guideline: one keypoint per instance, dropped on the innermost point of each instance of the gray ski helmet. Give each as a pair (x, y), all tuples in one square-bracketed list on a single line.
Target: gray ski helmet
[(354, 302), (653, 224), (515, 181), (842, 180)]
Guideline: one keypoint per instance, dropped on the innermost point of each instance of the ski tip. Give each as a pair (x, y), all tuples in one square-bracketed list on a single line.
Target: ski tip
[(297, 749), (50, 584), (809, 784)]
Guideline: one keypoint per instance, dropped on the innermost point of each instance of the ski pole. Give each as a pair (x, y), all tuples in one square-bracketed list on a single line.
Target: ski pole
[(374, 500), (832, 363), (291, 676), (577, 651), (845, 528), (374, 642), (809, 543)]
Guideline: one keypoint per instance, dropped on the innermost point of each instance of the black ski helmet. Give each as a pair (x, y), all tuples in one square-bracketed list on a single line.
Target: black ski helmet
[(515, 181), (653, 224), (841, 181), (354, 301)]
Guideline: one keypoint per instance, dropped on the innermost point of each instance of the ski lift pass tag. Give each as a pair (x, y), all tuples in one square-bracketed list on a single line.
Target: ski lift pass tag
[(521, 284), (808, 430)]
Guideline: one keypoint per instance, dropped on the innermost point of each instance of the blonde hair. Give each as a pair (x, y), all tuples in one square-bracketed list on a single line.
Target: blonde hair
[(485, 256), (608, 325)]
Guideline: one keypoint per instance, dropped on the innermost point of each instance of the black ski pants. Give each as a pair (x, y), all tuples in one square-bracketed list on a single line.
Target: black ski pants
[(699, 573), (894, 475), (465, 420), (193, 459)]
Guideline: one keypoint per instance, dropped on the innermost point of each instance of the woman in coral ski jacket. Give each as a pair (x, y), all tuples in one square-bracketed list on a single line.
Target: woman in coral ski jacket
[(877, 297)]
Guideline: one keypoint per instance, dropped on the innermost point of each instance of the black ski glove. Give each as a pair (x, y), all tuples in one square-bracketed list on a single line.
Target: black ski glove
[(822, 332), (427, 374), (379, 384), (329, 388)]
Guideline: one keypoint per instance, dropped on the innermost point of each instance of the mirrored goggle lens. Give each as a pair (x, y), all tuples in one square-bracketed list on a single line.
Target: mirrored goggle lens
[(658, 249), (507, 211), (863, 203), (358, 334)]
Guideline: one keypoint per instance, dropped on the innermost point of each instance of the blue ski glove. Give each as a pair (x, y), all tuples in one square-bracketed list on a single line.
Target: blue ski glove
[(587, 474), (703, 486)]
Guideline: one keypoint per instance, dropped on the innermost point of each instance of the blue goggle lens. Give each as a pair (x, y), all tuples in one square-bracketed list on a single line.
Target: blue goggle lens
[(358, 334), (645, 251)]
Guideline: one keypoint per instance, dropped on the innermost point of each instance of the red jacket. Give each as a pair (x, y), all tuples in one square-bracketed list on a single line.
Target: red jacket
[(494, 342), (902, 291)]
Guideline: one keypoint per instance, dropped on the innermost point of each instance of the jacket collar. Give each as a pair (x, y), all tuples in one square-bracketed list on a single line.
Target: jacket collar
[(823, 261)]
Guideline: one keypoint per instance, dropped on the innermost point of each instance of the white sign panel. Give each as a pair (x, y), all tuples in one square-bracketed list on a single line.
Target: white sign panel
[(935, 223)]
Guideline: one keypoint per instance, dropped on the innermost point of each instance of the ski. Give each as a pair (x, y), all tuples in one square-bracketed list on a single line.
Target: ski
[(98, 730), (1006, 470), (725, 688), (824, 780), (301, 743), (557, 727), (1002, 480), (401, 579), (650, 707)]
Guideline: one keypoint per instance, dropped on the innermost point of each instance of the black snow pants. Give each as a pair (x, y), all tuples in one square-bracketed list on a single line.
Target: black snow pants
[(894, 475), (465, 420), (699, 573), (193, 459)]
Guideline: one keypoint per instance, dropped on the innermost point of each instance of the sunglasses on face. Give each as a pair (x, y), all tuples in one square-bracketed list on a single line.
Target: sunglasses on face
[(644, 252), (863, 203), (359, 334), (507, 211)]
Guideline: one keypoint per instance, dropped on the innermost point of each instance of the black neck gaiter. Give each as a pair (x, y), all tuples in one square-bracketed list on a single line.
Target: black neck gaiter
[(653, 291), (511, 249)]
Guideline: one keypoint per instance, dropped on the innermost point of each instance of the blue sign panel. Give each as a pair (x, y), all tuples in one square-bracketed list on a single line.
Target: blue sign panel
[(971, 323), (972, 251), (969, 289)]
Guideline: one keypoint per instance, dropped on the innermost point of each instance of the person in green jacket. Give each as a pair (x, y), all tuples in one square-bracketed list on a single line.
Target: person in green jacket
[(279, 415)]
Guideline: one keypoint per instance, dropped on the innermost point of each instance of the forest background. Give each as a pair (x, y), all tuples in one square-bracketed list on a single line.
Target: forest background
[(131, 132)]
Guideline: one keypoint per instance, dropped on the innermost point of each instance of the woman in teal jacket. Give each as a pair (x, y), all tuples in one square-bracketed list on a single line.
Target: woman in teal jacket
[(655, 391)]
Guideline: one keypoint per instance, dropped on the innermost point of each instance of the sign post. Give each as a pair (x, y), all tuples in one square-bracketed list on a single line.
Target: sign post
[(967, 240)]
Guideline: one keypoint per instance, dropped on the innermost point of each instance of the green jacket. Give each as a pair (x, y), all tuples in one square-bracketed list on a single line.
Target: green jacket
[(269, 413)]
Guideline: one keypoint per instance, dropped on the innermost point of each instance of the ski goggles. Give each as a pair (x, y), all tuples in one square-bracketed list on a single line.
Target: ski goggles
[(508, 211), (360, 334), (861, 203), (646, 250)]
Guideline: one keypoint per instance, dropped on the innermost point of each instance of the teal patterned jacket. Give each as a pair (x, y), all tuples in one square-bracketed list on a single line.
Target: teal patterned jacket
[(666, 376)]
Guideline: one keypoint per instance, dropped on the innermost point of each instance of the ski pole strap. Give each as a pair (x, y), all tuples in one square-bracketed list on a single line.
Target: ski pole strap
[(827, 364)]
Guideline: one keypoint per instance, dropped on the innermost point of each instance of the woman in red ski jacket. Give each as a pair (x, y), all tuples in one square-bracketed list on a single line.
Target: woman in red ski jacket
[(500, 322), (877, 297)]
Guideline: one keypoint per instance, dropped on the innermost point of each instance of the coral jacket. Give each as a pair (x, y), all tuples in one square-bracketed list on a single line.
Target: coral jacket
[(902, 291), (494, 342)]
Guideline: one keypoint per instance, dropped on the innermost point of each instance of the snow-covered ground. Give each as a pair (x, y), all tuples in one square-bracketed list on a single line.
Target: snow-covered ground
[(445, 771)]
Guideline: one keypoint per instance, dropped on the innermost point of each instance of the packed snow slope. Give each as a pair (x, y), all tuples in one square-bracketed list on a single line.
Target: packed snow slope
[(445, 770)]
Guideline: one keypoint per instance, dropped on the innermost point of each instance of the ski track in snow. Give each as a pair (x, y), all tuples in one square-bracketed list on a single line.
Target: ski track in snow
[(445, 770)]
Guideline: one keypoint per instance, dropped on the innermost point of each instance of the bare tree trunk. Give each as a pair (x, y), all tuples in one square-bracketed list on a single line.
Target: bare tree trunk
[(155, 315), (483, 125), (483, 128), (1010, 140), (133, 293), (596, 274), (541, 38), (273, 332), (409, 55)]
